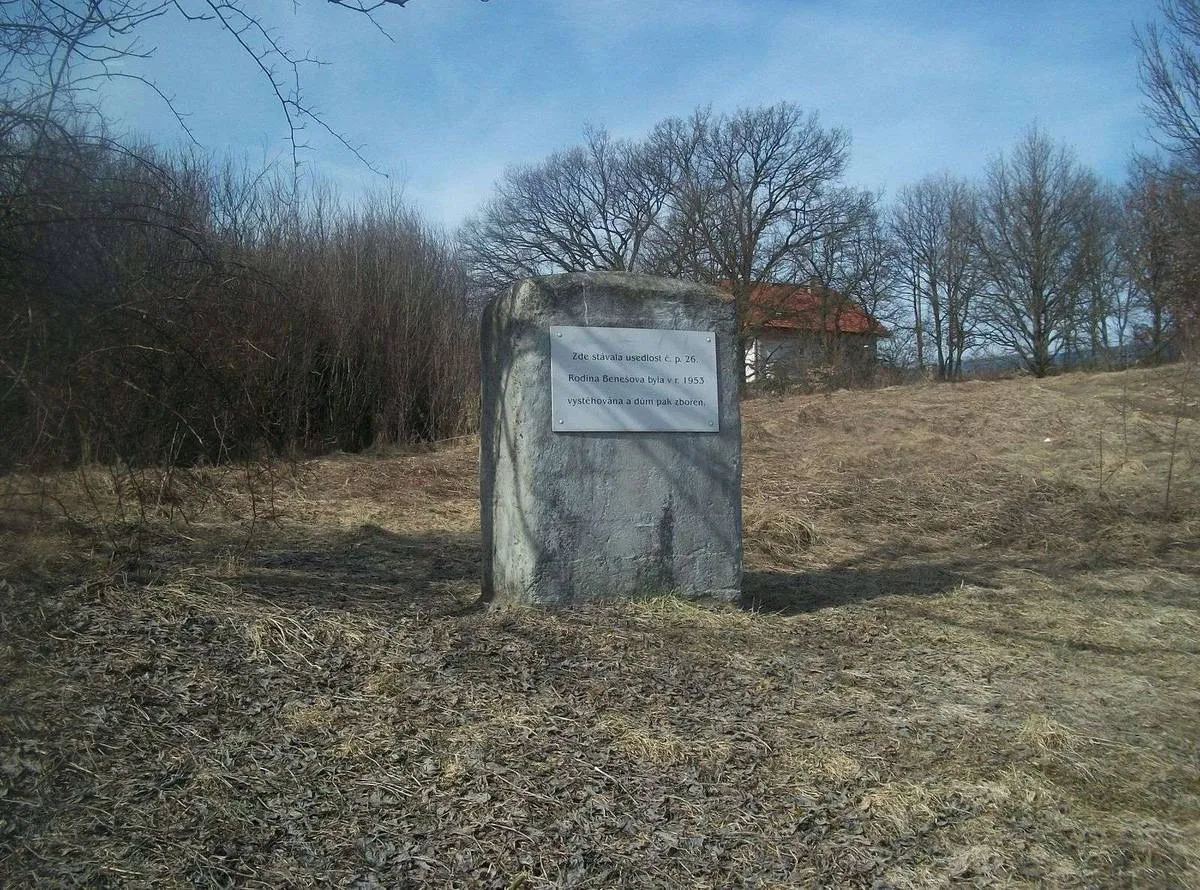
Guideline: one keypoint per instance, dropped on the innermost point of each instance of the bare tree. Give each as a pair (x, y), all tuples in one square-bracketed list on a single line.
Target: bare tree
[(935, 228), (1161, 251), (1163, 204), (1149, 249), (1170, 77), (591, 207), (1103, 312), (1031, 219), (756, 192)]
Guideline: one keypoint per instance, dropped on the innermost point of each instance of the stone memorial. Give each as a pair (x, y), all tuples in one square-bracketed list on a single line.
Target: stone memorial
[(610, 441)]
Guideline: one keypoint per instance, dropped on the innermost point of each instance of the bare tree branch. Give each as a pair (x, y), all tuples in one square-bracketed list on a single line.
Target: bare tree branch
[(590, 207), (1169, 70), (55, 52)]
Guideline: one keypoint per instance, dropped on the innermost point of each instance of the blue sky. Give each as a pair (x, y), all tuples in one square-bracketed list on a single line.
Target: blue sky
[(467, 87)]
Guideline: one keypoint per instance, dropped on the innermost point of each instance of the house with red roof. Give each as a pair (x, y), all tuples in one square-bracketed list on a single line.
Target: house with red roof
[(795, 327)]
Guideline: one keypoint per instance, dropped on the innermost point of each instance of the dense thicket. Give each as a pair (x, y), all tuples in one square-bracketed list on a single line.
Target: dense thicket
[(158, 309)]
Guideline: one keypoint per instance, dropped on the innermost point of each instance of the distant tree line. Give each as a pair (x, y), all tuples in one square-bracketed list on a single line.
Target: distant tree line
[(1040, 258), (1045, 261)]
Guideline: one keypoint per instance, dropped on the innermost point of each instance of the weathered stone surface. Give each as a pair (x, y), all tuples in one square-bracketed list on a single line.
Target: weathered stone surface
[(571, 517)]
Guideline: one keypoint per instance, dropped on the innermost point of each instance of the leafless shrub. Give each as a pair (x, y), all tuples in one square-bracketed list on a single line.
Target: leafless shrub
[(169, 312)]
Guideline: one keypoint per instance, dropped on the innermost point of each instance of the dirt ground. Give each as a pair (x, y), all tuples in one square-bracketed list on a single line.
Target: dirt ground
[(969, 655)]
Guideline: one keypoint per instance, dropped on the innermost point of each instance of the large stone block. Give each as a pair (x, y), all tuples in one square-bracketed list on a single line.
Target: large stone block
[(577, 516)]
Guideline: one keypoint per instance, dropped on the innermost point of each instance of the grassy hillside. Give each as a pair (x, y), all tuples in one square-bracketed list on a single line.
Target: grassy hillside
[(969, 655)]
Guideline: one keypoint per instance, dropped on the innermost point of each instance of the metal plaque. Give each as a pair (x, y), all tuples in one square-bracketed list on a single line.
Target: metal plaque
[(633, 380)]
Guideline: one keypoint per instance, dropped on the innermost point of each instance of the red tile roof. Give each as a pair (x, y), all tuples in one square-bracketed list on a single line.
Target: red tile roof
[(798, 307)]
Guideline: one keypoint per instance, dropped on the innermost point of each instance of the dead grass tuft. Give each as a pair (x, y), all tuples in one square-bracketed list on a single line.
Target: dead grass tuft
[(777, 534)]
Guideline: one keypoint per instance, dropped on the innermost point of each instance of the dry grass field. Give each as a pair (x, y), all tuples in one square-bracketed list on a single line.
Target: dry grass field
[(969, 656)]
